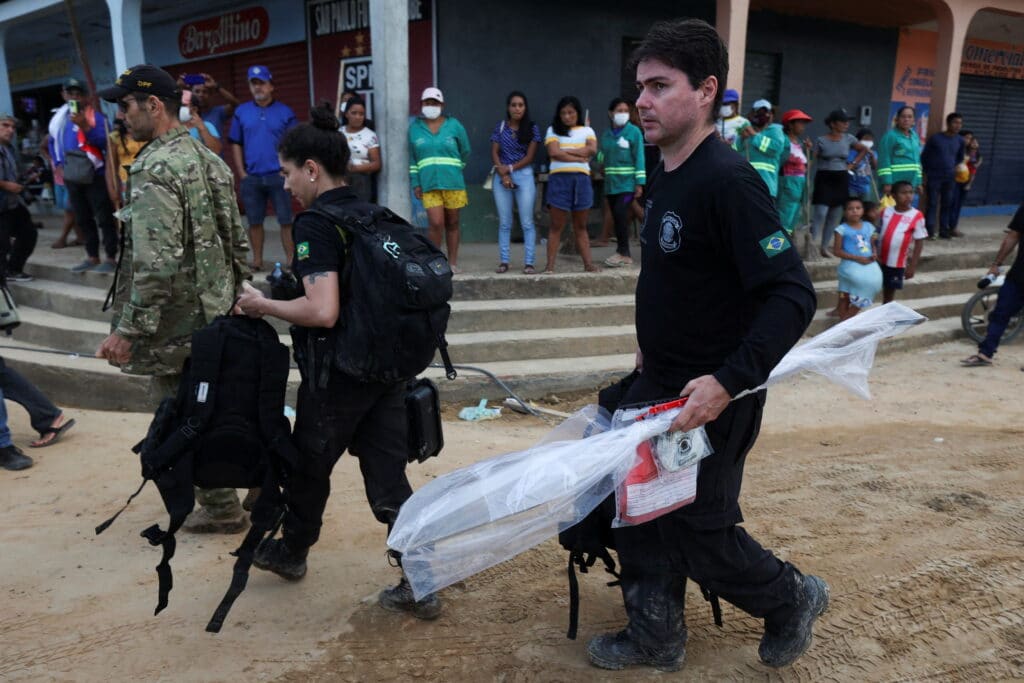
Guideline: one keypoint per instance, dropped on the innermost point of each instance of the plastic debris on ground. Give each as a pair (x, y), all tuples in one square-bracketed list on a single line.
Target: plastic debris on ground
[(481, 515), (479, 412)]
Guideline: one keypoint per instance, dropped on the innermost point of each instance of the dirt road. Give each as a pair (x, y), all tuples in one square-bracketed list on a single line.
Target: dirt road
[(909, 505)]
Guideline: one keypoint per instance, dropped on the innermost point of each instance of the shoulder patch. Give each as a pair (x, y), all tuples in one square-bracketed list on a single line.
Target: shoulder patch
[(302, 250), (774, 244)]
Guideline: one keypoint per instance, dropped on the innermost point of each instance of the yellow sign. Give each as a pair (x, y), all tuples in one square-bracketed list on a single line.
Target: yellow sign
[(40, 70)]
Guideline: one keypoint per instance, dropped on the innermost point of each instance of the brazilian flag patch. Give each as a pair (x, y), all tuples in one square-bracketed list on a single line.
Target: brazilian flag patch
[(774, 244), (302, 250)]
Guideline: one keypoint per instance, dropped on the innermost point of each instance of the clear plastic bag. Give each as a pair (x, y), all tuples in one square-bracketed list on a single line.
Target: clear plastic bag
[(663, 477), (478, 516), (475, 517), (845, 352)]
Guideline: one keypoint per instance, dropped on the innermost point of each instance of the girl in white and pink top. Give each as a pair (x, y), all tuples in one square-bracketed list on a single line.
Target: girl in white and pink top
[(901, 225)]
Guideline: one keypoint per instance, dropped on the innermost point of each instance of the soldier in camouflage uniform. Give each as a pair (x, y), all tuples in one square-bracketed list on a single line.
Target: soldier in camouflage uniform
[(184, 255)]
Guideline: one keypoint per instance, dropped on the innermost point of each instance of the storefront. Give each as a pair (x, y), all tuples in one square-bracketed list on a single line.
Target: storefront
[(990, 98), (340, 53), (225, 45)]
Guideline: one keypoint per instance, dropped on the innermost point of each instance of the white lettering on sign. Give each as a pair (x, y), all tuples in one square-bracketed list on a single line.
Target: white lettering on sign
[(245, 28), (357, 74), (344, 15)]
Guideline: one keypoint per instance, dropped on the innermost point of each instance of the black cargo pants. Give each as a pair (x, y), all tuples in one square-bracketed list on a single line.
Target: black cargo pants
[(369, 420), (701, 541)]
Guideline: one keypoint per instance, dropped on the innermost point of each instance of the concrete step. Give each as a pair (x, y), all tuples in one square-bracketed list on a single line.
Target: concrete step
[(924, 284), (569, 342), (958, 258), (51, 330), (546, 313), (76, 300), (935, 308), (86, 382)]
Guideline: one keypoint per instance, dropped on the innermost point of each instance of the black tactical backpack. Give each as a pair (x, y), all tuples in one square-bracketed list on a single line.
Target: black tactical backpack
[(395, 288), (592, 539), (225, 428)]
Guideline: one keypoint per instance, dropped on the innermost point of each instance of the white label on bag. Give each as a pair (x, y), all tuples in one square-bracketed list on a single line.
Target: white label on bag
[(666, 491), (204, 389)]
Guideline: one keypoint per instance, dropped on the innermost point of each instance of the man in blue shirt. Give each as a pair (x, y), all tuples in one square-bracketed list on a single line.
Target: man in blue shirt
[(942, 152), (256, 129), (81, 129)]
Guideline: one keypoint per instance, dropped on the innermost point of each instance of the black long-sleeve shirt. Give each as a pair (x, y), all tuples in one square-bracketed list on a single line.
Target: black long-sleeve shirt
[(722, 290)]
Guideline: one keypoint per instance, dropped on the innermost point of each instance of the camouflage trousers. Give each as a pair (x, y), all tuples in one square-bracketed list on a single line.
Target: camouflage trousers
[(218, 502)]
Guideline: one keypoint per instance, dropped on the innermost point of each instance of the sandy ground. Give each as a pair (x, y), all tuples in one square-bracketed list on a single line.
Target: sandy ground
[(910, 505)]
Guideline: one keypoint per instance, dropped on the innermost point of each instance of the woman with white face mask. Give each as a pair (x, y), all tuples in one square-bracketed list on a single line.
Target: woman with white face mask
[(438, 151), (621, 151)]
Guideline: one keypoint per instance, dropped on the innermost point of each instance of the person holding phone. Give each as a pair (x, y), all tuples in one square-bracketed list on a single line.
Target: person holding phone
[(78, 144), (204, 88)]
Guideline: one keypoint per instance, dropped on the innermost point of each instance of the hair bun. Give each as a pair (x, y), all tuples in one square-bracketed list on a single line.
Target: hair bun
[(323, 118)]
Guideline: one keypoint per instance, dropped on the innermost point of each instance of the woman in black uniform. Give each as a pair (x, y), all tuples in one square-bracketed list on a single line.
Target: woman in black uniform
[(367, 418)]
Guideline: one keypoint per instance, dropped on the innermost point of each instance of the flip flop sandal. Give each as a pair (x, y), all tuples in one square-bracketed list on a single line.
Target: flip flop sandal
[(502, 268), (56, 431), (975, 361), (529, 270)]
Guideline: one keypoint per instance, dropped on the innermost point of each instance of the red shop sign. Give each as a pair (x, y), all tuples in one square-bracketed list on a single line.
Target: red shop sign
[(226, 33)]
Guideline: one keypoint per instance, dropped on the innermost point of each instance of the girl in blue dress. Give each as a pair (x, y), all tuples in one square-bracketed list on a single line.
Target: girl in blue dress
[(860, 278)]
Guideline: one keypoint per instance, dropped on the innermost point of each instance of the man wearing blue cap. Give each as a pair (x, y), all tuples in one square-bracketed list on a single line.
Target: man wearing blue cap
[(256, 128), (729, 119)]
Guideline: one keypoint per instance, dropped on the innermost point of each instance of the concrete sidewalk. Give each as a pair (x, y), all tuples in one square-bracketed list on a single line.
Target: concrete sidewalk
[(983, 233)]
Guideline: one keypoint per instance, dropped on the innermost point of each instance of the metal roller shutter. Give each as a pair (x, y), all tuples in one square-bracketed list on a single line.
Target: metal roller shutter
[(288, 63), (761, 76), (993, 109)]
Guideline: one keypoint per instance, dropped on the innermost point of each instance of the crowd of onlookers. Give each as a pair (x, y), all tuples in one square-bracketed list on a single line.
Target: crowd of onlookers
[(810, 180)]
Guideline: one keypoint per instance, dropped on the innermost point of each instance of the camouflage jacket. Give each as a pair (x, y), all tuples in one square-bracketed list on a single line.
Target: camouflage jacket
[(185, 251)]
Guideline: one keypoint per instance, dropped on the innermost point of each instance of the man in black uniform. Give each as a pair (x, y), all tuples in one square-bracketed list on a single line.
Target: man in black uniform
[(722, 296)]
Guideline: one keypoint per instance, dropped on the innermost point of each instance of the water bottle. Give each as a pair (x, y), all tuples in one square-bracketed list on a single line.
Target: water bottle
[(987, 281), (276, 275)]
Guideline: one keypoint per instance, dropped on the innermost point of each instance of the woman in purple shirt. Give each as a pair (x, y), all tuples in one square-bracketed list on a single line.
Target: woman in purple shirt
[(513, 145)]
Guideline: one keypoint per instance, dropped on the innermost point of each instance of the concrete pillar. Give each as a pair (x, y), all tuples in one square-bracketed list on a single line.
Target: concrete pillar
[(731, 23), (6, 100), (954, 19), (126, 32), (389, 41)]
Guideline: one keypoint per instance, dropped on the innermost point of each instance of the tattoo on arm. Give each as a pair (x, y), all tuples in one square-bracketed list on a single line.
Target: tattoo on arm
[(313, 277)]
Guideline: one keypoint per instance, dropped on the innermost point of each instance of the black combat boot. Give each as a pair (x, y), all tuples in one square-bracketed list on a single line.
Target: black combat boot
[(656, 634), (11, 458), (786, 638), (275, 555), (400, 599)]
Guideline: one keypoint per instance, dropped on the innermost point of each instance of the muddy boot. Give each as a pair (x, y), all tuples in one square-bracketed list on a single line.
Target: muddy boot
[(202, 521), (656, 634), (275, 555), (11, 458), (400, 599), (785, 639)]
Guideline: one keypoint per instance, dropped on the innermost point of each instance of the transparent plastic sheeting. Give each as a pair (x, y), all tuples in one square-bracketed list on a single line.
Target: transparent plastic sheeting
[(478, 516)]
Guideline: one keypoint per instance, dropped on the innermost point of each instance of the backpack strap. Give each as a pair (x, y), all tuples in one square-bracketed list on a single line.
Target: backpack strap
[(585, 560), (268, 511), (716, 606)]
